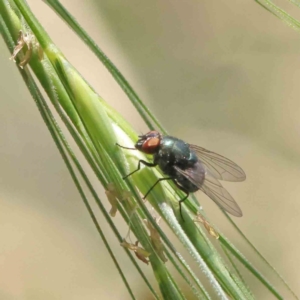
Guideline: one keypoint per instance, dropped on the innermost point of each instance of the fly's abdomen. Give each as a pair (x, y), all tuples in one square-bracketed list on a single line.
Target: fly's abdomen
[(186, 184), (191, 179)]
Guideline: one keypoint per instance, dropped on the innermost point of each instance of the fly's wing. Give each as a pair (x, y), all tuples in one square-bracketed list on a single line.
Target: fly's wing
[(212, 188), (215, 191), (219, 166)]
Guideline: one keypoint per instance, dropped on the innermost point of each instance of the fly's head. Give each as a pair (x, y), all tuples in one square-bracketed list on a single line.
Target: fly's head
[(149, 143)]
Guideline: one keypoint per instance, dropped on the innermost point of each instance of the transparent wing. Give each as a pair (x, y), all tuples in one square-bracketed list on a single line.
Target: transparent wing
[(215, 191), (212, 188), (219, 166)]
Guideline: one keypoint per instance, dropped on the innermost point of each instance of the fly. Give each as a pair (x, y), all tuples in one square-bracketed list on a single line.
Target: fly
[(191, 168)]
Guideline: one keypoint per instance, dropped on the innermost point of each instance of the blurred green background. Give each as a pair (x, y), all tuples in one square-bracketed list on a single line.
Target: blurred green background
[(220, 74)]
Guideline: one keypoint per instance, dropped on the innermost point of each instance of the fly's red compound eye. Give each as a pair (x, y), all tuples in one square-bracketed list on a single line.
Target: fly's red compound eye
[(150, 145)]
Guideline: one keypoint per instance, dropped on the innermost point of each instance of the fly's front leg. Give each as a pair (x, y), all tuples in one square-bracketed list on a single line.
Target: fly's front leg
[(151, 165)]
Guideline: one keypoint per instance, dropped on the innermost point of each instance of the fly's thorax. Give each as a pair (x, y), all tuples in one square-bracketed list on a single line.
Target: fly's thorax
[(183, 155), (174, 152)]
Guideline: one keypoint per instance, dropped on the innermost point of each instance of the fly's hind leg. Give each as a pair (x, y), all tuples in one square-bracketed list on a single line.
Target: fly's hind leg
[(184, 198), (159, 180)]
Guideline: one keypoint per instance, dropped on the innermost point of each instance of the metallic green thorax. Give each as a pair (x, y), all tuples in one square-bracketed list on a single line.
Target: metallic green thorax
[(173, 153)]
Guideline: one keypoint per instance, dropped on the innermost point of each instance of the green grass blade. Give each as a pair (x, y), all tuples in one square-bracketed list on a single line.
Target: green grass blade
[(198, 290), (143, 110), (272, 269), (251, 268), (238, 273), (280, 13), (296, 2), (61, 144)]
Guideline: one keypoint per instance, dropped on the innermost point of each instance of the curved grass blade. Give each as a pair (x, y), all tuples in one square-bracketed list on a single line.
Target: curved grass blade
[(37, 96), (143, 110), (249, 266)]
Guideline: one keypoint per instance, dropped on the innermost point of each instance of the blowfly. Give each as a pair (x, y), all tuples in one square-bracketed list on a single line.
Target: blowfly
[(191, 168)]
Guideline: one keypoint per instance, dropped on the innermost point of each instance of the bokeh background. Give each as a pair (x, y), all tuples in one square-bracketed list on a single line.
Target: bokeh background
[(221, 74)]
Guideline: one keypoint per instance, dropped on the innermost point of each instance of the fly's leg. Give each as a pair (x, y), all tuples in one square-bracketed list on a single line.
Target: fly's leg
[(183, 199), (178, 185), (153, 186), (151, 165)]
